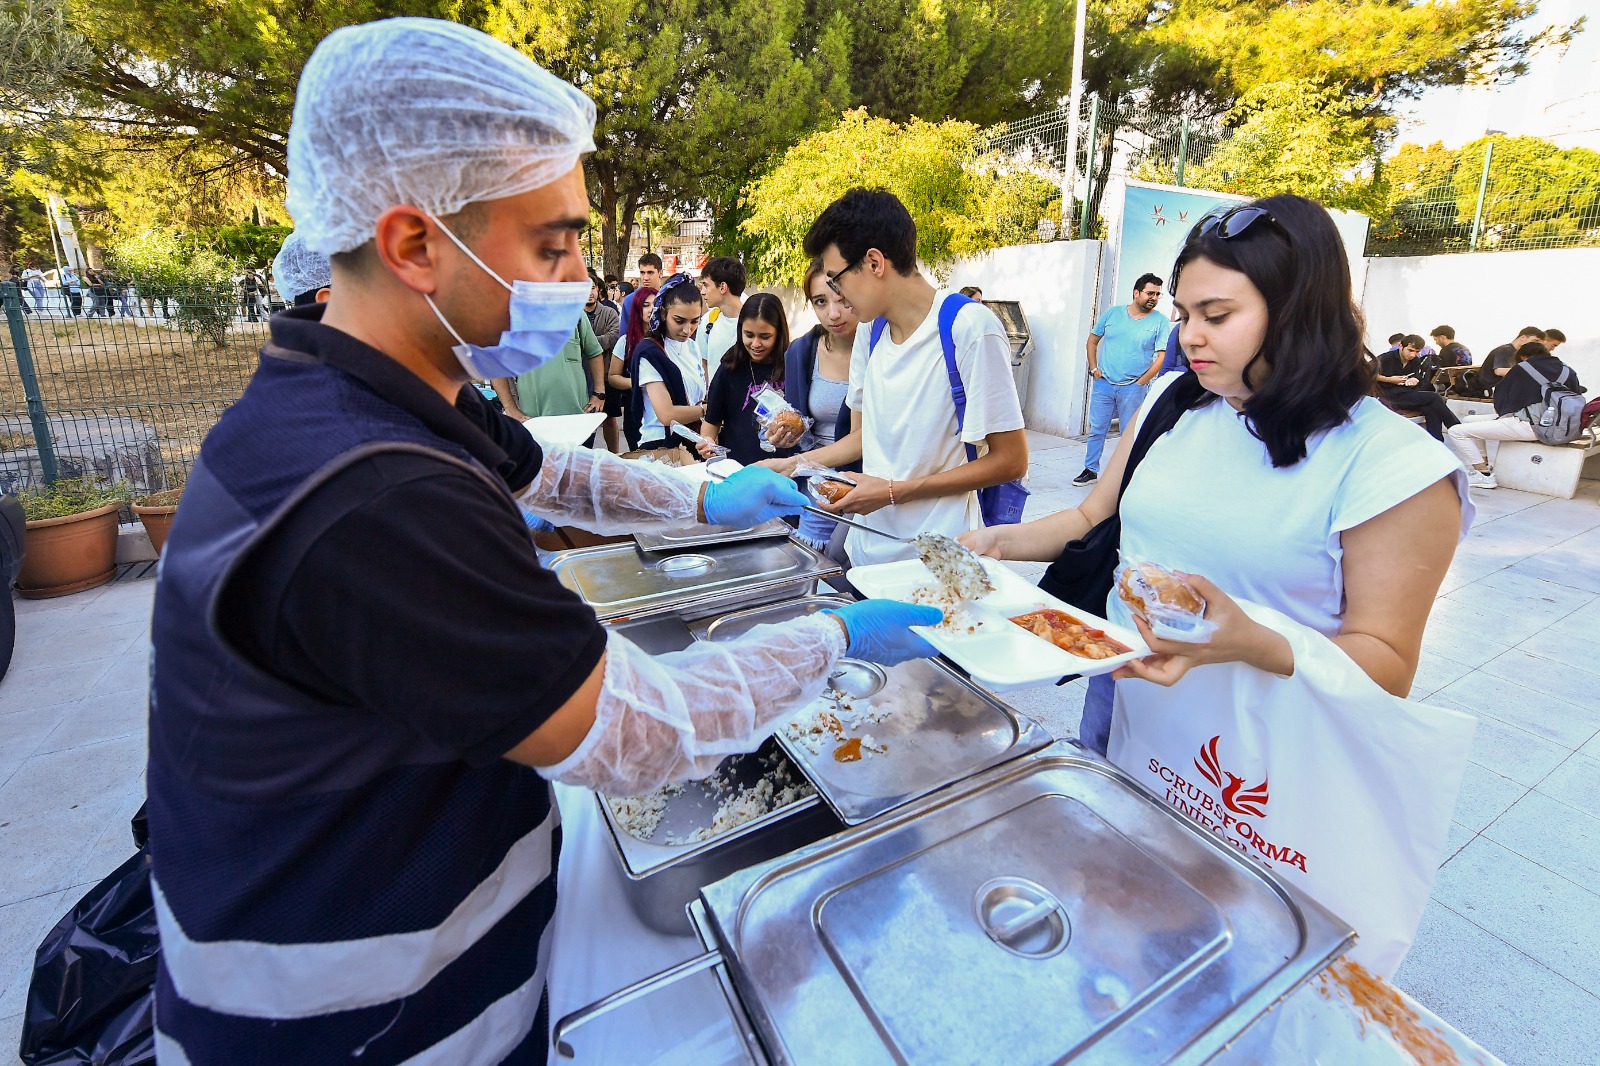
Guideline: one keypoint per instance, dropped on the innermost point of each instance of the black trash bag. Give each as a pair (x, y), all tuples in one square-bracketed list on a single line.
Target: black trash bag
[(92, 997)]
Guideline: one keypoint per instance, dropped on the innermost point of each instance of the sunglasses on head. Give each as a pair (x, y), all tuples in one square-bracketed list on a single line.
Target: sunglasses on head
[(1233, 223)]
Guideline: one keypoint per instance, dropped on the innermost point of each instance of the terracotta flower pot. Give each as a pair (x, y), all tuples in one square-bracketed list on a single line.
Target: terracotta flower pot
[(156, 513), (70, 554)]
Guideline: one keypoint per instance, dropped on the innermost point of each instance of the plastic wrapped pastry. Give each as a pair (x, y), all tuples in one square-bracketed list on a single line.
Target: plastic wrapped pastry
[(1168, 604), (774, 414)]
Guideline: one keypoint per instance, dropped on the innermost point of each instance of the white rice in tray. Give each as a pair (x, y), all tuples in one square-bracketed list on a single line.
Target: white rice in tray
[(640, 816)]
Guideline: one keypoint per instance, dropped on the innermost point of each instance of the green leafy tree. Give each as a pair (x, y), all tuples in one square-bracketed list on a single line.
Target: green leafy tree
[(193, 284), (674, 86), (1201, 57), (961, 201), (984, 62), (246, 242), (1292, 137)]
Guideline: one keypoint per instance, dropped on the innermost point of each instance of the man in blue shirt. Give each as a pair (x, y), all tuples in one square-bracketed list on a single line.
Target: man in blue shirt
[(1126, 349)]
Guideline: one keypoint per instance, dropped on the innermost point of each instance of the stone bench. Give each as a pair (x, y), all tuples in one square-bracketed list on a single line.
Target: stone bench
[(1548, 469), (1464, 407)]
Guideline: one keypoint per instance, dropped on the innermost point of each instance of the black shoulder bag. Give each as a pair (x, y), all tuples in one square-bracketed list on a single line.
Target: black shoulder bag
[(1082, 575)]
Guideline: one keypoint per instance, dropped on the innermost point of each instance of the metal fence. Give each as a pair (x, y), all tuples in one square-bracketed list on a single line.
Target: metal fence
[(120, 392), (1481, 201), (1114, 140)]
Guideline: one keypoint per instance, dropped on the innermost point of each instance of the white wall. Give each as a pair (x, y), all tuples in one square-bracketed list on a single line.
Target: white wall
[(1056, 285), (1487, 297)]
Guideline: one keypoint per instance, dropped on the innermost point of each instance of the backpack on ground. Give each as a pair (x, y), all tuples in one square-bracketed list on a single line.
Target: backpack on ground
[(1558, 417)]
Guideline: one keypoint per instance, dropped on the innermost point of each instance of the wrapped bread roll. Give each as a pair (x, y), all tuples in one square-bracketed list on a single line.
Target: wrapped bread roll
[(832, 491), (1167, 603)]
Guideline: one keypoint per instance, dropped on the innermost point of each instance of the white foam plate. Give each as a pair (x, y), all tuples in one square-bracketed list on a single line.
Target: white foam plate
[(564, 429), (999, 654)]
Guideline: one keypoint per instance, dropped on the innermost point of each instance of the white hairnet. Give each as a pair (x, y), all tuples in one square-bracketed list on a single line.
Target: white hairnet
[(298, 269), (424, 112)]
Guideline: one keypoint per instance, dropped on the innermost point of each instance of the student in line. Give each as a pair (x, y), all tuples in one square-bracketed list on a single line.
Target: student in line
[(915, 474), (619, 370), (755, 362), (669, 383), (816, 382), (721, 285)]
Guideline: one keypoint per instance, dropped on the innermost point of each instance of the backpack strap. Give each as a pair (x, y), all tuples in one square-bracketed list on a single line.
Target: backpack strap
[(878, 326), (948, 310), (1540, 378)]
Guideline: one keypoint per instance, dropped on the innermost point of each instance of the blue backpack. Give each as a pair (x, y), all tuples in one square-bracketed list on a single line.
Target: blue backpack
[(1001, 505)]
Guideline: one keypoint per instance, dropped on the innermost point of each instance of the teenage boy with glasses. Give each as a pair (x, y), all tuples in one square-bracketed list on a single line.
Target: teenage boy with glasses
[(916, 476)]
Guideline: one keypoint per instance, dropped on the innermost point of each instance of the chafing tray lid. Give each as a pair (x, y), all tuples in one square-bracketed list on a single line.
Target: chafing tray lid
[(694, 536), (1053, 912), (619, 581)]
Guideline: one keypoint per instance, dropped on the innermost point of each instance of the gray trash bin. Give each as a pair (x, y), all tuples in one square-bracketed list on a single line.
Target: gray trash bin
[(1021, 336)]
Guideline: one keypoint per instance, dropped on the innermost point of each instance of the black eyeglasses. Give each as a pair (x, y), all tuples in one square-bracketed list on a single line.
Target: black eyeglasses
[(833, 279), (1234, 223)]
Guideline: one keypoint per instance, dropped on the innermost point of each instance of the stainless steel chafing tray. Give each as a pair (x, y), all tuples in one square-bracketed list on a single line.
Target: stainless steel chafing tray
[(663, 877), (695, 536), (620, 582), (1049, 910), (937, 728)]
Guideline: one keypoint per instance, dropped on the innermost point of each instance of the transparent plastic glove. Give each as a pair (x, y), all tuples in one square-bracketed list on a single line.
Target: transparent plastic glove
[(597, 491), (751, 496), (880, 630), (675, 717)]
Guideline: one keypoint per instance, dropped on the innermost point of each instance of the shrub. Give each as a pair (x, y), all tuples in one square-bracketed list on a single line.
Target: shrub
[(67, 497)]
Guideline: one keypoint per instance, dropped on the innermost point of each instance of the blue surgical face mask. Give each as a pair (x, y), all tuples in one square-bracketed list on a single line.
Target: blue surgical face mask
[(543, 316)]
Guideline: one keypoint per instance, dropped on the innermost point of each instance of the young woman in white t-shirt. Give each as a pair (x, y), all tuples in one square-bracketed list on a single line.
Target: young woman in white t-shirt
[(668, 351), (1285, 482)]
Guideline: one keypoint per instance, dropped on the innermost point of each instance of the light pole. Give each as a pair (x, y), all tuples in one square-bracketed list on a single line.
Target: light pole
[(1074, 105)]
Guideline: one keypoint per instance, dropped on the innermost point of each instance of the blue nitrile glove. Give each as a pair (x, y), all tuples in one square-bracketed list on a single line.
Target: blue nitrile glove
[(751, 496), (880, 630)]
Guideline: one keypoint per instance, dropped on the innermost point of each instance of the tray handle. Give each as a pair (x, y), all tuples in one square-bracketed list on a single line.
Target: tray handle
[(627, 995)]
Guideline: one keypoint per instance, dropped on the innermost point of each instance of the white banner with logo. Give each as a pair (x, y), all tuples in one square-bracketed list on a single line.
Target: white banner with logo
[(1340, 788)]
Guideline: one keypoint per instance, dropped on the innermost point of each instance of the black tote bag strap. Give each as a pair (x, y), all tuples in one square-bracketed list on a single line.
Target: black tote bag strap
[(1082, 573)]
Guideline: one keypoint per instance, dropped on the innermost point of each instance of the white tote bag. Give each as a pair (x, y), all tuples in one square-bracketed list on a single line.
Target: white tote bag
[(1339, 787)]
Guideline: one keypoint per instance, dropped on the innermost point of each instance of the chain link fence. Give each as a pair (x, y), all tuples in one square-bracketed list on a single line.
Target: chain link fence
[(117, 391), (1114, 140), (1488, 198)]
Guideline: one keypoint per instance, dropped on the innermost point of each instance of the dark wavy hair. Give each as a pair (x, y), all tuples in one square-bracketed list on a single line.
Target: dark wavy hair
[(1311, 369), (763, 307)]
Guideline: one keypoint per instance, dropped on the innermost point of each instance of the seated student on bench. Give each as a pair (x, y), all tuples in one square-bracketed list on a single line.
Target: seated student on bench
[(1516, 390), (1405, 383)]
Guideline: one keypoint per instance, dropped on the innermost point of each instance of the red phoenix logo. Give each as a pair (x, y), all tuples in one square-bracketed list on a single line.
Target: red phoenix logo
[(1239, 800)]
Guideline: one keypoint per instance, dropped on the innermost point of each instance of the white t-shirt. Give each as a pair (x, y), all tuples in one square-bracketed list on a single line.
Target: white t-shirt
[(686, 357), (715, 338), (1206, 500), (908, 419)]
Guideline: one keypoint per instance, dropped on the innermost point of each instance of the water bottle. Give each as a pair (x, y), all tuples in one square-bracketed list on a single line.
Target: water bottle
[(1549, 416)]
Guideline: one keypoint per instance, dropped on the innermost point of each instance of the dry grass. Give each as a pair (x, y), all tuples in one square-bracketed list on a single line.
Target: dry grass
[(177, 384)]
